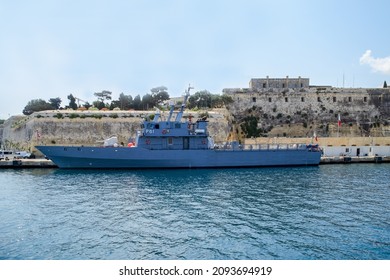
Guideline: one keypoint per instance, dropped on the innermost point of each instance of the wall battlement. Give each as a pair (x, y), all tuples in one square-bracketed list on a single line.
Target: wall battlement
[(283, 83)]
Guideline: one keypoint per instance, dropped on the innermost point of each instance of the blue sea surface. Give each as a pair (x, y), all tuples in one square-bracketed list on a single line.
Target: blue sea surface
[(327, 212)]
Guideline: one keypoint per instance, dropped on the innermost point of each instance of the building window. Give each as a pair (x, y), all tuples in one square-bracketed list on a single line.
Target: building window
[(334, 98), (254, 99), (365, 99), (347, 150), (264, 85), (301, 84), (303, 99), (283, 85), (349, 99), (286, 99), (319, 99), (269, 99)]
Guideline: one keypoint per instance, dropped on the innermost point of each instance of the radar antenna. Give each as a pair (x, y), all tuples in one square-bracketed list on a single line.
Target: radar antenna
[(186, 95)]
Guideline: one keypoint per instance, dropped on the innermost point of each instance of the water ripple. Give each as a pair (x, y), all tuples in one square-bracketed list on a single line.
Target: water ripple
[(326, 212)]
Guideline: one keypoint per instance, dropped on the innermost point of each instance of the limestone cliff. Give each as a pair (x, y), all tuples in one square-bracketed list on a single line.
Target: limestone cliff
[(86, 128)]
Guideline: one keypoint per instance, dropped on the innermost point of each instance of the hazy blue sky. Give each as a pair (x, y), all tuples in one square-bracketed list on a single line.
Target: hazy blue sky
[(53, 48)]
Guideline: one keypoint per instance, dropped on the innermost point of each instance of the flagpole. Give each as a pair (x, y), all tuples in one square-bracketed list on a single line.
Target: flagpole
[(338, 130), (338, 126)]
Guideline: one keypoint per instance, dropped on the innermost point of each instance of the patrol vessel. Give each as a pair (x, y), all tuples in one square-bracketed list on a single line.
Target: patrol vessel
[(174, 143)]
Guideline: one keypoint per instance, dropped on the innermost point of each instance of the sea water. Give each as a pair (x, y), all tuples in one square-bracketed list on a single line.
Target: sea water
[(326, 212)]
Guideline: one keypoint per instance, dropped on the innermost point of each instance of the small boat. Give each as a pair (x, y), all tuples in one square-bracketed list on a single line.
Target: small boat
[(174, 143)]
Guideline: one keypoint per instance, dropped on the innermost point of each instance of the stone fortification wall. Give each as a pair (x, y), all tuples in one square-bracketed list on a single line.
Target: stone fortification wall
[(86, 128), (300, 112)]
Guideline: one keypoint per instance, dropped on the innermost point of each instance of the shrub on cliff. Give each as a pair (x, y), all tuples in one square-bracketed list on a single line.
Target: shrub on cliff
[(36, 105)]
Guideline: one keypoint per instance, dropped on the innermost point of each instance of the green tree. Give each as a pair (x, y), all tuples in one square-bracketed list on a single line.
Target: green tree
[(159, 95), (72, 102), (125, 101), (36, 105), (87, 105), (249, 126), (227, 99), (55, 102), (201, 99), (147, 101), (137, 103), (103, 96), (216, 101), (385, 85), (99, 104)]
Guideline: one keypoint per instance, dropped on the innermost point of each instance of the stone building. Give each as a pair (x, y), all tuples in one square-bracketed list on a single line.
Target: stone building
[(258, 83)]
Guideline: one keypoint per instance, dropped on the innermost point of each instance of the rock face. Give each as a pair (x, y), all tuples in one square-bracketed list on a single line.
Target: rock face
[(301, 110), (86, 128)]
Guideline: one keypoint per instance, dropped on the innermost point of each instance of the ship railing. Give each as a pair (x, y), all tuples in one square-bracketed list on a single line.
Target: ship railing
[(233, 147)]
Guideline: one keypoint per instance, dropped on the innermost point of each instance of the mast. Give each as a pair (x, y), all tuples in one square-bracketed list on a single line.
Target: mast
[(156, 116), (172, 107), (186, 95)]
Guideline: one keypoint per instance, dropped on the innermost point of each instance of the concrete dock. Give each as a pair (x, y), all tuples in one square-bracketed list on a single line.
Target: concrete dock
[(27, 163), (347, 159)]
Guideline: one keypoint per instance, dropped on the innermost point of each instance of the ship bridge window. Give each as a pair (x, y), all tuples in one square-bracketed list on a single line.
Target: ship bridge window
[(177, 125), (157, 126)]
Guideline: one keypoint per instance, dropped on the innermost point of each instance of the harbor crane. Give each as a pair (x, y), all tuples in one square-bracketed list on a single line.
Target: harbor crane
[(78, 101)]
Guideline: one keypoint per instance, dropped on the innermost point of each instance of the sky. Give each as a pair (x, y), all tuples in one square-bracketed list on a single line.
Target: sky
[(51, 49)]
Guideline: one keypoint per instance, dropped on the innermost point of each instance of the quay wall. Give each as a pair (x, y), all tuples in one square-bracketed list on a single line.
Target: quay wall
[(335, 146)]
